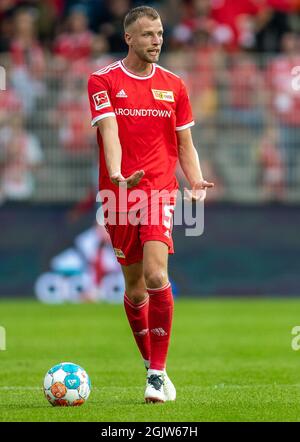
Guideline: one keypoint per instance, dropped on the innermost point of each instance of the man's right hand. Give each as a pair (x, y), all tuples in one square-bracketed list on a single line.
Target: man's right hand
[(132, 181)]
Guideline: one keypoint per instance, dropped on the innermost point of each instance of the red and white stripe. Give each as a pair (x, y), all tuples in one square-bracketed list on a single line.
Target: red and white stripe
[(166, 70), (160, 289), (136, 306), (108, 68)]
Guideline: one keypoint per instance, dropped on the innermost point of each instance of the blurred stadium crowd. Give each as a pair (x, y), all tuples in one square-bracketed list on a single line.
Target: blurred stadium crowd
[(238, 59)]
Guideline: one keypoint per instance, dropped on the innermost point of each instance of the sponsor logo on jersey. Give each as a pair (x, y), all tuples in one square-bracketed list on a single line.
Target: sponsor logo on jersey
[(163, 95), (143, 112), (119, 253), (121, 94), (101, 100)]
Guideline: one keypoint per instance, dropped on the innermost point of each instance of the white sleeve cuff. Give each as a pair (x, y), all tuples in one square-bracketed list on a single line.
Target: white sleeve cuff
[(192, 123), (100, 117)]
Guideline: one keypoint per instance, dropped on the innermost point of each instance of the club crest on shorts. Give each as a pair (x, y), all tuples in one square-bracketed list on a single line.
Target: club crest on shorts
[(119, 253), (163, 95), (101, 100)]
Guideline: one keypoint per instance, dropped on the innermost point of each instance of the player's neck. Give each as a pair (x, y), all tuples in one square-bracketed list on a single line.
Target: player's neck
[(137, 66)]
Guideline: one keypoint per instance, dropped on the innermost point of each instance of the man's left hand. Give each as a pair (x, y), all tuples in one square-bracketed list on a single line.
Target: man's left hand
[(198, 192)]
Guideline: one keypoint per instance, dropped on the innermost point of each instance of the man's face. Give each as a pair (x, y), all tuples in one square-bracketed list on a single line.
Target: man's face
[(145, 38)]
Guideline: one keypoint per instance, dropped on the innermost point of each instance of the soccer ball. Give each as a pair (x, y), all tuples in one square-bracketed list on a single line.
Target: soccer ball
[(67, 384)]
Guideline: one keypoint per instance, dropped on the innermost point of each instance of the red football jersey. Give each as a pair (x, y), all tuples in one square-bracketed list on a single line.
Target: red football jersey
[(149, 111)]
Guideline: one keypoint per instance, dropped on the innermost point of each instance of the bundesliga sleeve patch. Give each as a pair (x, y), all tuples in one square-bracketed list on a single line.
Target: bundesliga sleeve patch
[(163, 95), (101, 100)]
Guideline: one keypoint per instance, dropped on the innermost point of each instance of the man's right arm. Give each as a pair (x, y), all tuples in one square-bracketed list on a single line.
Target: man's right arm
[(108, 128), (104, 118)]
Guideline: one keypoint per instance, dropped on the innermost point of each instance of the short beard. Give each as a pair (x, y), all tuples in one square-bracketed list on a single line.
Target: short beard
[(145, 58)]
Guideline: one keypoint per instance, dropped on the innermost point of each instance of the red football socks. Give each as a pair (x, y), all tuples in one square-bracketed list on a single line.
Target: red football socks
[(161, 306), (137, 315)]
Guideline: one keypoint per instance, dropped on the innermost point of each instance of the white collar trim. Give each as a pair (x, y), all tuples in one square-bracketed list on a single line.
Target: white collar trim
[(138, 77)]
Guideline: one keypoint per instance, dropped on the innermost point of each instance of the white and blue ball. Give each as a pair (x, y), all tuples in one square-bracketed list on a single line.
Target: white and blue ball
[(67, 384)]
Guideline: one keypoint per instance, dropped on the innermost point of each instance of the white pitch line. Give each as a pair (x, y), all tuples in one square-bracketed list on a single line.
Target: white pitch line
[(19, 388), (184, 387), (16, 388)]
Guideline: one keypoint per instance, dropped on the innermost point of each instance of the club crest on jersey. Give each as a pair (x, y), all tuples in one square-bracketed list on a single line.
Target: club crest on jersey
[(163, 95), (119, 253), (101, 100)]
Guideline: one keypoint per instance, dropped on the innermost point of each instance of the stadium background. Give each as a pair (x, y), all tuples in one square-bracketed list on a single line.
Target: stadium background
[(237, 59)]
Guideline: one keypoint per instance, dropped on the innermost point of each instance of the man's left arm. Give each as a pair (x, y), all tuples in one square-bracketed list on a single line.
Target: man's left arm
[(190, 164)]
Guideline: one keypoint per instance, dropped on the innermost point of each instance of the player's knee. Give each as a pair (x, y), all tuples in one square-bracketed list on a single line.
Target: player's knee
[(136, 291), (136, 296), (155, 278)]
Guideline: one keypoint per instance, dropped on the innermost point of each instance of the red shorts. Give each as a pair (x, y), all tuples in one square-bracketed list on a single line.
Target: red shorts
[(129, 231)]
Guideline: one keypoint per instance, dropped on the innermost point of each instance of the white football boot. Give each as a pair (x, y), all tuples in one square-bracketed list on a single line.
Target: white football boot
[(168, 387), (155, 387)]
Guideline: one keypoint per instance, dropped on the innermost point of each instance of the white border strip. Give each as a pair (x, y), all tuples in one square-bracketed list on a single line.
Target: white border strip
[(164, 287), (166, 70), (100, 117), (192, 123), (137, 76), (107, 68), (136, 306)]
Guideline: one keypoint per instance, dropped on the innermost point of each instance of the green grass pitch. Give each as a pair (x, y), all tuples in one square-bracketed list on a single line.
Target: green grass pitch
[(231, 360)]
